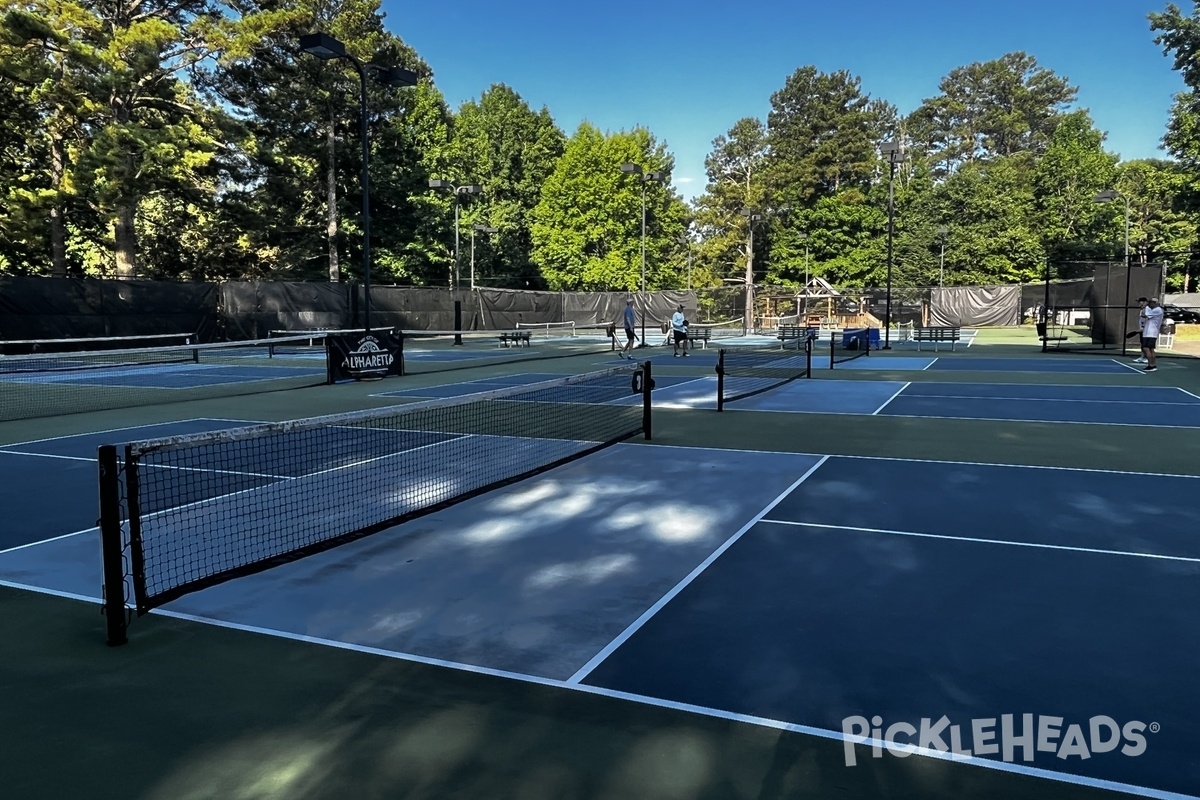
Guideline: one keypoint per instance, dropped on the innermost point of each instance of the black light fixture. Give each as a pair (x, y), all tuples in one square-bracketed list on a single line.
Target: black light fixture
[(326, 48)]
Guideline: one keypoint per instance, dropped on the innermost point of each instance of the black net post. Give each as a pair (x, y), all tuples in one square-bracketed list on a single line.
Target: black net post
[(137, 560), (1125, 308), (721, 380), (809, 338), (458, 322), (647, 388), (1044, 331), (832, 348), (112, 547)]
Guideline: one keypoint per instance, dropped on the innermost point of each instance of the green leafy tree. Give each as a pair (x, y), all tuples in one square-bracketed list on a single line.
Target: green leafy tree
[(1073, 169), (296, 179), (500, 143), (824, 132), (587, 225), (736, 181), (988, 109)]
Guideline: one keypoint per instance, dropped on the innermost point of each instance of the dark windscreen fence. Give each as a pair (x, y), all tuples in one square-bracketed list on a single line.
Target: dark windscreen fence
[(411, 307), (51, 384), (1079, 316), (249, 309), (975, 306), (186, 512), (909, 304), (501, 309), (74, 308), (746, 371)]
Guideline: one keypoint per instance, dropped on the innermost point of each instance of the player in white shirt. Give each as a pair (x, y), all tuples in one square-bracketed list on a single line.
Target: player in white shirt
[(1154, 320), (679, 327)]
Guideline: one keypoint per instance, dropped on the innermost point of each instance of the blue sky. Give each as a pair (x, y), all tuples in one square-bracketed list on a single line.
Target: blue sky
[(689, 70)]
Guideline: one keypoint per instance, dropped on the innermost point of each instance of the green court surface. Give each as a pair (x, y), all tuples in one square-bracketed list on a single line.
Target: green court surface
[(191, 710)]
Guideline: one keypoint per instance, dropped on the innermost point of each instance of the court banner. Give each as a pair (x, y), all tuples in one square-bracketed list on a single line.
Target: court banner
[(364, 356)]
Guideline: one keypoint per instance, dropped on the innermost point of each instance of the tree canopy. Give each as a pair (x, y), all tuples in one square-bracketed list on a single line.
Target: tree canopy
[(193, 140)]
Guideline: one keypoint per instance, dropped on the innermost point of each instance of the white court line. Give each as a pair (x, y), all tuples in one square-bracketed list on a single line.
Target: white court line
[(1185, 391), (1053, 399), (51, 592), (972, 419), (928, 461), (47, 541), (1128, 366), (634, 626), (126, 428), (980, 540), (890, 399), (614, 694), (930, 364), (6, 451)]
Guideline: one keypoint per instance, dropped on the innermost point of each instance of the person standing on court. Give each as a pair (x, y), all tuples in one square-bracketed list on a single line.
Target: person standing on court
[(1140, 331), (679, 327), (1154, 320), (629, 320)]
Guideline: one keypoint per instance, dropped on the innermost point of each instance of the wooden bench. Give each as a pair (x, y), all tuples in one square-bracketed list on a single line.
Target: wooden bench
[(936, 335), (789, 332), (514, 338), (702, 335)]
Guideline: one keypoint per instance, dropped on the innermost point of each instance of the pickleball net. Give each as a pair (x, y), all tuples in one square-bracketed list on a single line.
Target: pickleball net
[(426, 352), (50, 384), (183, 513), (19, 347), (855, 343), (746, 371)]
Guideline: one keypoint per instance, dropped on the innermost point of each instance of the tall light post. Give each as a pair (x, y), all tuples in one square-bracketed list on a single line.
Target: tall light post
[(644, 177), (478, 229), (942, 232), (326, 48), (804, 238), (686, 241), (1107, 196), (752, 217), (894, 153), (460, 191)]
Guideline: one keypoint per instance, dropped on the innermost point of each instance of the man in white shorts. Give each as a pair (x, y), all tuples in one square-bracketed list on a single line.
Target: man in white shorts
[(1154, 319), (679, 329)]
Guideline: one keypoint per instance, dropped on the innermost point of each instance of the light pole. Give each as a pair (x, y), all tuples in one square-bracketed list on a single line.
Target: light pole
[(752, 217), (804, 238), (459, 192), (480, 229), (1107, 196), (645, 177), (326, 47), (894, 154), (686, 241), (943, 232)]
